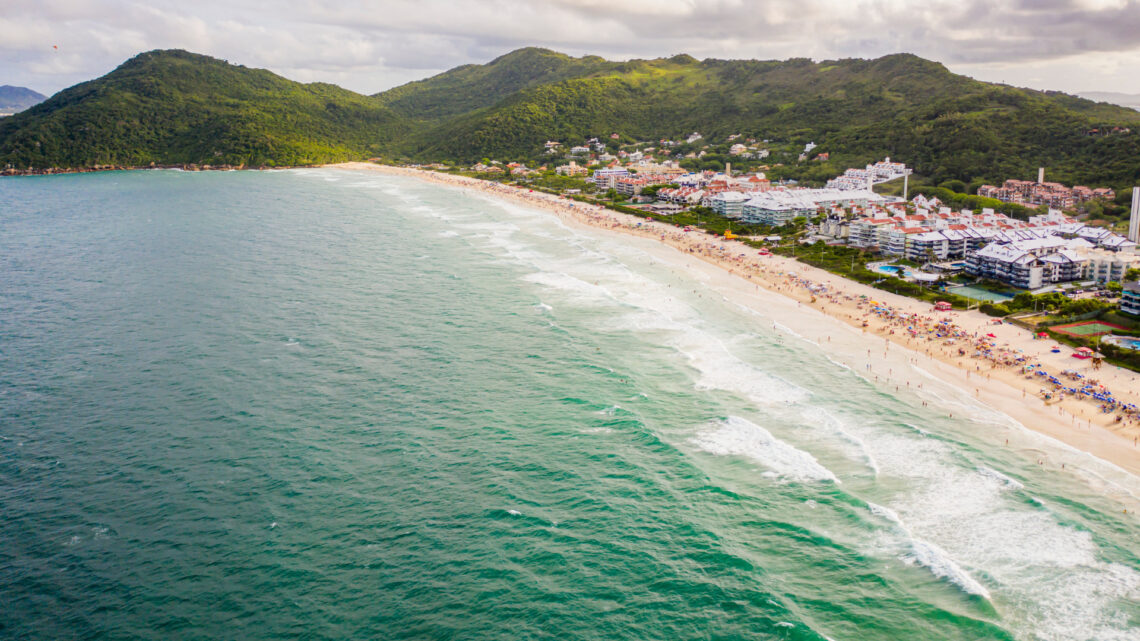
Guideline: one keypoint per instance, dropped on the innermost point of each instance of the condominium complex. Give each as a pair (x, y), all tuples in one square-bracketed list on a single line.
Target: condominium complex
[(1055, 195), (1130, 298)]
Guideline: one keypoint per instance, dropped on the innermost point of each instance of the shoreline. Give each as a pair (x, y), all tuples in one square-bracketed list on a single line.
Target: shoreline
[(1006, 389), (63, 171)]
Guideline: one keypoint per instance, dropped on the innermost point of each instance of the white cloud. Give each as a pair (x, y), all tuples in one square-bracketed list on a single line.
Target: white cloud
[(371, 45)]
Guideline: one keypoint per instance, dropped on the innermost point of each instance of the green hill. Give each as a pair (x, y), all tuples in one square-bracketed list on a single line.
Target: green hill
[(472, 87), (947, 126), (171, 107), (177, 107)]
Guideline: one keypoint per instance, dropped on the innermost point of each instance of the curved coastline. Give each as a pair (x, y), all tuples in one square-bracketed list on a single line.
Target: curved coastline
[(825, 300)]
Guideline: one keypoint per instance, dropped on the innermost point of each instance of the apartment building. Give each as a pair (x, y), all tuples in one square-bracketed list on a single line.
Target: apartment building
[(1027, 264), (1130, 298)]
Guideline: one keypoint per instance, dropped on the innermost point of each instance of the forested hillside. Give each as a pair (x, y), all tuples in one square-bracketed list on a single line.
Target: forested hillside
[(178, 107), (945, 125)]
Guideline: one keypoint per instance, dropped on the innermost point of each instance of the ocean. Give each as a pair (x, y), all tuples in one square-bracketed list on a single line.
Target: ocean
[(323, 404)]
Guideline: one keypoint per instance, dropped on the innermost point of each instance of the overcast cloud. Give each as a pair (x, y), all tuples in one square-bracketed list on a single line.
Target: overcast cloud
[(371, 45)]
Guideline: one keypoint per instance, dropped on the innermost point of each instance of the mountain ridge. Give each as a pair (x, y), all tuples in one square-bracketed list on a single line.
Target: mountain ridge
[(177, 107), (946, 125), (173, 106), (16, 99)]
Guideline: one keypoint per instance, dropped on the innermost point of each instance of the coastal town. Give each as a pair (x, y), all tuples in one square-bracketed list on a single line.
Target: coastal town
[(1067, 383), (1027, 251)]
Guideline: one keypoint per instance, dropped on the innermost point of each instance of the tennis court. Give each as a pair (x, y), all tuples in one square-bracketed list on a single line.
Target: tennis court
[(1086, 328), (977, 293)]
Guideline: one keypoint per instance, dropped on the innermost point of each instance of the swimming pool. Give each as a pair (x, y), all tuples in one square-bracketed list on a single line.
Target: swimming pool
[(1127, 342), (898, 271)]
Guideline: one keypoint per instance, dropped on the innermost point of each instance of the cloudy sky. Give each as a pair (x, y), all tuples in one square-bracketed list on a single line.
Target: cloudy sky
[(371, 45)]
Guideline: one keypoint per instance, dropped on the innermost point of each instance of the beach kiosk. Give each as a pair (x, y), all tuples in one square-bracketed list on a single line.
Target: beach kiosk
[(943, 306), (1083, 352)]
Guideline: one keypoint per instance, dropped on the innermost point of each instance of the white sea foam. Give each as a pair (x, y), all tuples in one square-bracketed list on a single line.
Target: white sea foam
[(884, 512), (832, 423), (1005, 481), (735, 436), (930, 556), (1050, 576), (514, 512), (788, 330), (579, 290), (719, 368), (942, 566)]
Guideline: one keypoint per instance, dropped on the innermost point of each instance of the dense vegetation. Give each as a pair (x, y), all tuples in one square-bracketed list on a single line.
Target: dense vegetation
[(172, 107), (945, 125), (177, 107)]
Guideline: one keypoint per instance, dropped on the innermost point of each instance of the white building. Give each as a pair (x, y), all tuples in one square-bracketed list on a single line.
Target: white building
[(880, 172), (607, 177), (1130, 298), (729, 203), (1134, 219), (778, 207), (1104, 266), (1028, 264)]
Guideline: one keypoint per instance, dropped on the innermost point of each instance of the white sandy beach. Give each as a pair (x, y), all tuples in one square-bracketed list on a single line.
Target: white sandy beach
[(830, 309)]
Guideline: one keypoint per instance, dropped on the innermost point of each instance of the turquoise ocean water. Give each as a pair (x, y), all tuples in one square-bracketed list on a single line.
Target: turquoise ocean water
[(318, 404)]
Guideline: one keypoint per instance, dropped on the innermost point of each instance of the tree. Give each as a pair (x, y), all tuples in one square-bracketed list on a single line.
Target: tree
[(1082, 306), (994, 309), (1024, 300), (954, 185)]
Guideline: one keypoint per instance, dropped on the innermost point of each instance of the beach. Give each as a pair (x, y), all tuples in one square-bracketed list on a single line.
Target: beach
[(884, 336), (382, 403)]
